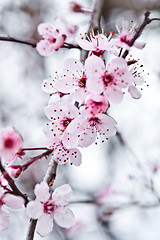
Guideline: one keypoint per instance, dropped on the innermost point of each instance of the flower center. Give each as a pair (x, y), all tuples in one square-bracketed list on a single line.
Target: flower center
[(124, 39), (52, 40), (9, 143), (107, 79), (48, 207), (82, 82), (66, 121), (94, 121)]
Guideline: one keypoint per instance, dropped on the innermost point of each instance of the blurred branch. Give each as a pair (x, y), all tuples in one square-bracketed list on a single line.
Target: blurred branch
[(34, 44), (49, 179)]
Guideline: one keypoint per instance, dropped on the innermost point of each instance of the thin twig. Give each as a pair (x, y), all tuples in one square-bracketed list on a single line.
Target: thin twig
[(34, 44), (12, 184), (34, 159)]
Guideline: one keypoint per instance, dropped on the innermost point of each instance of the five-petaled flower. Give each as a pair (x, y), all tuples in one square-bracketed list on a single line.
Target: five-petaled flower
[(48, 207), (51, 41)]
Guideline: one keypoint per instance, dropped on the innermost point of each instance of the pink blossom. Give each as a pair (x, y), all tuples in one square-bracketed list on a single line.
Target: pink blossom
[(60, 116), (51, 39), (10, 144), (47, 207), (62, 154), (97, 44), (86, 126), (96, 104), (125, 36), (48, 86), (73, 80), (104, 194), (108, 81), (10, 200)]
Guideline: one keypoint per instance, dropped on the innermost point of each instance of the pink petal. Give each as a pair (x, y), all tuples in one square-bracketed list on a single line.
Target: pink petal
[(69, 140), (61, 195), (4, 220), (48, 86), (73, 67), (139, 45), (13, 201), (119, 63), (134, 92), (64, 217), (34, 209), (95, 84), (75, 157), (108, 125), (95, 66), (45, 28), (85, 44), (1, 192), (114, 94), (44, 48), (44, 224), (42, 191)]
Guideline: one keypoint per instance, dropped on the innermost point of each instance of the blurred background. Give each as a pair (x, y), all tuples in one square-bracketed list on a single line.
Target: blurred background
[(117, 187)]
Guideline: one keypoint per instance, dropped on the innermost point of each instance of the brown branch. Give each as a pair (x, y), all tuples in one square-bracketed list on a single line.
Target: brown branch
[(49, 179), (145, 22), (34, 159), (34, 44), (12, 184), (10, 39)]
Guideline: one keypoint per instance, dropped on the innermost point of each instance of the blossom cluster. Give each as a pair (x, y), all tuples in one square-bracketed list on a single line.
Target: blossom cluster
[(81, 95)]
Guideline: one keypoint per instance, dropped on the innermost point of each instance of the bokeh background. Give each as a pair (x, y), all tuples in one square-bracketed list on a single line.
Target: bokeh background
[(121, 174)]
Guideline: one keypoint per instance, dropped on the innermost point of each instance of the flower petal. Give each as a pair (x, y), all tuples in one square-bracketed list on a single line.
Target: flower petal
[(34, 209), (44, 224), (134, 92), (13, 201), (61, 195), (64, 217), (42, 191)]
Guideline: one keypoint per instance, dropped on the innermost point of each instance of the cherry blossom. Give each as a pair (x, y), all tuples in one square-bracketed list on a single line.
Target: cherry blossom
[(10, 200), (125, 36), (48, 207), (61, 116), (96, 104), (73, 80), (51, 39), (108, 81), (10, 145), (61, 154), (97, 44), (86, 126)]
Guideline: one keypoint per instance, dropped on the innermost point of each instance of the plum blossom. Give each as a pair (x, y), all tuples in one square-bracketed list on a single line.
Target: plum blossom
[(86, 126), (51, 39), (73, 80), (10, 145), (97, 44), (10, 200), (111, 80), (48, 207), (125, 36)]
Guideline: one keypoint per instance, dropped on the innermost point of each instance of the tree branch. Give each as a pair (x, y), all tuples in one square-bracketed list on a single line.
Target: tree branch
[(12, 184), (34, 159)]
